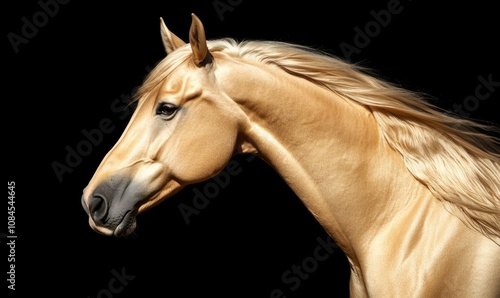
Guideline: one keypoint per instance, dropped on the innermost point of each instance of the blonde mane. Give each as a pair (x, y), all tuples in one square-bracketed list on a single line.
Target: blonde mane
[(455, 158)]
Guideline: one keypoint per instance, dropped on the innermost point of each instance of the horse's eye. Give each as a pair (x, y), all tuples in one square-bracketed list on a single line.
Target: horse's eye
[(166, 110)]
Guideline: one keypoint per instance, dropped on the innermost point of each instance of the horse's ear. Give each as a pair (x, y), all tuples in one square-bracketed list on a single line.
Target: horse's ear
[(170, 41), (201, 55)]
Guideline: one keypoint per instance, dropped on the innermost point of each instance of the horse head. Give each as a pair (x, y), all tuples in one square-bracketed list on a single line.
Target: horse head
[(183, 131)]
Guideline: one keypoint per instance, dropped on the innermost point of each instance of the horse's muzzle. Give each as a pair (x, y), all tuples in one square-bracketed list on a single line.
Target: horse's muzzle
[(110, 211)]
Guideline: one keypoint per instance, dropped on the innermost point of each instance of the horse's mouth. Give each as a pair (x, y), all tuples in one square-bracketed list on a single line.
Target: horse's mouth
[(126, 226)]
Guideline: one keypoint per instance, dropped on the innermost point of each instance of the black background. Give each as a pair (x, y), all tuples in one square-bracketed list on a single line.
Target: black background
[(89, 54)]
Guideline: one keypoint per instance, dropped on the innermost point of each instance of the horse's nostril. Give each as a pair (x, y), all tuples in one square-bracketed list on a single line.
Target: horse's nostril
[(98, 208)]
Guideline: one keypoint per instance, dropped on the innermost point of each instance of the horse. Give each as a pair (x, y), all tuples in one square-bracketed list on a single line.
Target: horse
[(408, 191)]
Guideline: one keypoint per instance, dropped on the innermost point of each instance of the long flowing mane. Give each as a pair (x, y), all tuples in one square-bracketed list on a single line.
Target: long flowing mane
[(457, 159)]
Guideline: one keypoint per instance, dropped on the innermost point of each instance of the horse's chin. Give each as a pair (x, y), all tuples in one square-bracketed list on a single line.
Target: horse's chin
[(127, 226)]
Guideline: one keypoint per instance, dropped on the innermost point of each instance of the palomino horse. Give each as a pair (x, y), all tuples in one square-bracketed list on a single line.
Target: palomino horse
[(410, 193)]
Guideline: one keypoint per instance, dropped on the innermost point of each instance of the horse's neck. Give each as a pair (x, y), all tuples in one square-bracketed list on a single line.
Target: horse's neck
[(330, 152), (327, 149)]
